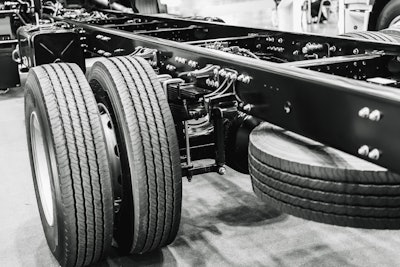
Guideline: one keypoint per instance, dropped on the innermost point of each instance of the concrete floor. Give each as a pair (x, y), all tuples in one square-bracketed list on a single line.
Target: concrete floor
[(223, 223)]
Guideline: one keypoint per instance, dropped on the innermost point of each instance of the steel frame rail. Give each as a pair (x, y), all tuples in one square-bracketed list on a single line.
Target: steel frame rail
[(317, 105)]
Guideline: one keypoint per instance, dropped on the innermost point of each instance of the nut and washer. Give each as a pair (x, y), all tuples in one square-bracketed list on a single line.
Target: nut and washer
[(363, 150), (364, 112), (375, 154), (375, 115)]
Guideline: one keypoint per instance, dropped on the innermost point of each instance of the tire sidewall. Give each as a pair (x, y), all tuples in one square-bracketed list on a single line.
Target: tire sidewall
[(125, 220), (389, 12), (34, 102)]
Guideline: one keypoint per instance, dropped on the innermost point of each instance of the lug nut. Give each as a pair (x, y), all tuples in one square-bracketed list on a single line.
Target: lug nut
[(375, 115), (364, 112), (375, 154), (363, 150)]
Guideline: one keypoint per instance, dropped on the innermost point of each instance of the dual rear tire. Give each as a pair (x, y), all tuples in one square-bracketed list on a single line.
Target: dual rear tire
[(76, 186)]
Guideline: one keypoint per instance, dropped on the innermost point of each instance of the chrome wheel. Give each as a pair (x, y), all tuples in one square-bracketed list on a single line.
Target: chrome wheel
[(42, 168)]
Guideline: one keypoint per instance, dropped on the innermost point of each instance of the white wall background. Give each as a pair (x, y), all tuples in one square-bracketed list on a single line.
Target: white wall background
[(254, 13)]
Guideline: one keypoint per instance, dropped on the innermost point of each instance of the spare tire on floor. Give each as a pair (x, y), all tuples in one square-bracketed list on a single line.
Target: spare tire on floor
[(381, 36), (149, 215), (69, 164), (307, 179)]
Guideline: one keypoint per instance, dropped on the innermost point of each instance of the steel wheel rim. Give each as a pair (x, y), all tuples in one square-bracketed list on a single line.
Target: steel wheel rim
[(42, 169), (113, 154)]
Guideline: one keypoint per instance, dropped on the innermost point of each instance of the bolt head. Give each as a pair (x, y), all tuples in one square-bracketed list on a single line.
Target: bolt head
[(364, 112), (248, 107), (375, 154), (363, 150), (375, 115), (287, 107), (246, 79)]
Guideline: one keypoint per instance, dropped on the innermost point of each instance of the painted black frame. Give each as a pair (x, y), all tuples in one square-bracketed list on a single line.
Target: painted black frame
[(296, 95)]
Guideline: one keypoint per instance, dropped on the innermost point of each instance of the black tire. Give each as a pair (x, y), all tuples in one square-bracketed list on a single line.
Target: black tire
[(150, 161), (393, 32), (388, 14), (61, 113), (237, 141), (374, 36), (312, 181)]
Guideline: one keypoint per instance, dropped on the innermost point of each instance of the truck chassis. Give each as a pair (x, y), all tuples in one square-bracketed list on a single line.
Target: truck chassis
[(219, 82)]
